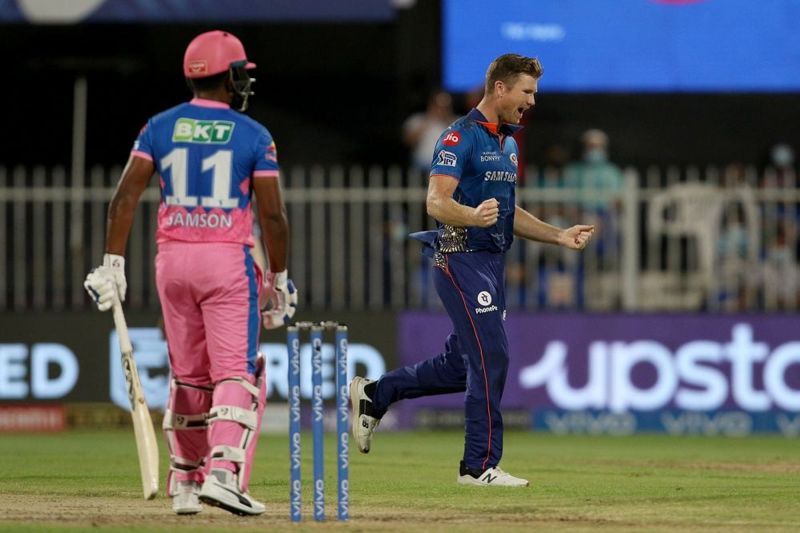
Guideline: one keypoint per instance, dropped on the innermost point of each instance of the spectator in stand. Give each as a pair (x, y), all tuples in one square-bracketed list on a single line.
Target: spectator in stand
[(780, 172), (735, 283), (780, 270), (595, 177), (598, 184), (421, 131)]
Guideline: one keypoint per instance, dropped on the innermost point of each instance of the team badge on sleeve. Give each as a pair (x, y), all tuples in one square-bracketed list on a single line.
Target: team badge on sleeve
[(513, 158), (272, 153), (446, 159), (451, 139)]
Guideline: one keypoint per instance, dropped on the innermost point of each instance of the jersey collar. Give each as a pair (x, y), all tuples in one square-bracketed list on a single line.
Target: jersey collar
[(494, 129), (203, 102)]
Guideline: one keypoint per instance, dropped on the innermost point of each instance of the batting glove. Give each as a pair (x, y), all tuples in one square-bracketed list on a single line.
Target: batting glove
[(103, 282), (280, 300)]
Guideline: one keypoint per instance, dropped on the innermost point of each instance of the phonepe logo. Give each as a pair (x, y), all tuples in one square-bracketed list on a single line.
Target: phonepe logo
[(152, 361), (43, 371), (700, 375)]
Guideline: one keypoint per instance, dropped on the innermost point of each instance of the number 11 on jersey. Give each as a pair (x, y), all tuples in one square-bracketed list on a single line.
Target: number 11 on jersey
[(219, 163)]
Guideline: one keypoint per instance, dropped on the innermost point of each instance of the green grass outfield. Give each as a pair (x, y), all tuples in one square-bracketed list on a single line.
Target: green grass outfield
[(83, 480)]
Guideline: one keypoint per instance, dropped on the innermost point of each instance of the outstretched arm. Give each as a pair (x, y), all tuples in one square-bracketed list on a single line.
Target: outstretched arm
[(529, 227)]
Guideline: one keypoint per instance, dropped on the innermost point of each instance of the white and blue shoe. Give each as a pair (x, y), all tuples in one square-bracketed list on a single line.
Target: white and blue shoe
[(221, 489), (491, 477)]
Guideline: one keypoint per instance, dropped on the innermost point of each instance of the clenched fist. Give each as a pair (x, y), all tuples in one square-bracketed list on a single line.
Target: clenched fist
[(486, 214), (576, 237)]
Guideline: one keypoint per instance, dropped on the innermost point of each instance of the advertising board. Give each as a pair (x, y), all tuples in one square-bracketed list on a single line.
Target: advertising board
[(618, 373)]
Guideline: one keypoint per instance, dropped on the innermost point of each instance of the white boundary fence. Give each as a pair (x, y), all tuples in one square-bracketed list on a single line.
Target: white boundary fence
[(679, 239)]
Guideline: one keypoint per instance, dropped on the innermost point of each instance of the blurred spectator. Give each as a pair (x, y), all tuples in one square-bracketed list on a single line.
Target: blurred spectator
[(733, 242), (551, 169), (780, 171), (735, 251), (598, 184), (736, 175), (422, 130), (595, 177), (780, 269)]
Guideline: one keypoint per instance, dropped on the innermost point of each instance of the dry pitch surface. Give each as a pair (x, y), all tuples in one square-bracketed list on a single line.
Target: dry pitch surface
[(85, 480)]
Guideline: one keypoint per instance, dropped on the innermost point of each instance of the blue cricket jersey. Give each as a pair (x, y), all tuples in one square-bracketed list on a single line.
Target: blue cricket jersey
[(483, 158)]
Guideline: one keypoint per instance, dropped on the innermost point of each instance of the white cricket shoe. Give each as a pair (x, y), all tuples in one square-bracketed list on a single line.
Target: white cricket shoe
[(221, 489), (494, 477), (363, 423), (186, 499)]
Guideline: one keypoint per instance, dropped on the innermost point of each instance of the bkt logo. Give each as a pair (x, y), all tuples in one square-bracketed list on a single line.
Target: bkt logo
[(202, 131), (693, 377)]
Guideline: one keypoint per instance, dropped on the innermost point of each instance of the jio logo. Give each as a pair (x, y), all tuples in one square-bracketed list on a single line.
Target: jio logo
[(484, 298)]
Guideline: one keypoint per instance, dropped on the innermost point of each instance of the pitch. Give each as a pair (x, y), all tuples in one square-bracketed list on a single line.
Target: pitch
[(90, 479)]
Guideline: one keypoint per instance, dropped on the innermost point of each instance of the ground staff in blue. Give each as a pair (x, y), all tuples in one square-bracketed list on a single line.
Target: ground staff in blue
[(471, 194)]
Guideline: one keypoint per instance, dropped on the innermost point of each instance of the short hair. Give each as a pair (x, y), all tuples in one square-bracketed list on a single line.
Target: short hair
[(207, 83), (508, 67)]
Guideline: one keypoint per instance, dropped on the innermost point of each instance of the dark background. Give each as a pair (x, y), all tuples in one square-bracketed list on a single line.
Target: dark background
[(338, 93)]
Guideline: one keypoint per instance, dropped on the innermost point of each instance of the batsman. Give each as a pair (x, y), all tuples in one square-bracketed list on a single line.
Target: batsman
[(211, 159)]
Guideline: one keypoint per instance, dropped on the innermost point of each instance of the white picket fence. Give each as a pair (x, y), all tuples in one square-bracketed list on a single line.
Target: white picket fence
[(677, 239)]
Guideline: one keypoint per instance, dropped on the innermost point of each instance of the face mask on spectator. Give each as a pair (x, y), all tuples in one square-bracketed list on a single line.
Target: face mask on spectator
[(595, 155)]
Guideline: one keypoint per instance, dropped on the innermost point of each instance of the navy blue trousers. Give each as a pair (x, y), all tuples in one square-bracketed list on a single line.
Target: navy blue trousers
[(475, 359)]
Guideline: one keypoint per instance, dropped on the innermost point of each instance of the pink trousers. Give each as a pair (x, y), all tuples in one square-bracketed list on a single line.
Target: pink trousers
[(209, 299)]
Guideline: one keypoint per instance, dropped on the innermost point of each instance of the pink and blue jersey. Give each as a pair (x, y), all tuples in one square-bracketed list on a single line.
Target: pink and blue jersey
[(207, 156)]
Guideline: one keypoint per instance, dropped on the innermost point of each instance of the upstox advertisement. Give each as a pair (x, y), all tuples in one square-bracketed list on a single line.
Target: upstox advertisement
[(682, 374)]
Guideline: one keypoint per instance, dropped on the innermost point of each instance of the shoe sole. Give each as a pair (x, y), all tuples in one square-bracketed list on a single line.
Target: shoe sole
[(228, 506), (470, 481), (354, 411), (184, 512)]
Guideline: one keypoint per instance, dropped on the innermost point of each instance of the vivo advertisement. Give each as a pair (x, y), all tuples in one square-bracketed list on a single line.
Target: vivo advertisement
[(618, 374), (628, 45)]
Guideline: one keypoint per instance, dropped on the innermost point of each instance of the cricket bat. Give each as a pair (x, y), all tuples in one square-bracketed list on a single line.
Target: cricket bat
[(146, 445)]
